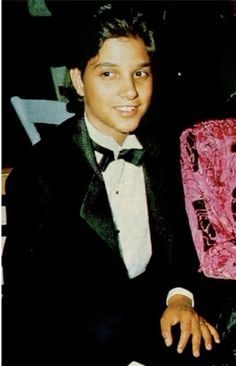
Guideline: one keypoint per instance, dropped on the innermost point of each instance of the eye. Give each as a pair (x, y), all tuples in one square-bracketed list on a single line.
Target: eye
[(108, 75), (142, 74)]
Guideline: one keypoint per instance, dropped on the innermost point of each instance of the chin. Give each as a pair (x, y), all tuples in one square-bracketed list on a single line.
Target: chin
[(130, 126), (133, 128)]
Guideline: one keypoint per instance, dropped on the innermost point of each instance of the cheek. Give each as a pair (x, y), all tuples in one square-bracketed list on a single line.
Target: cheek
[(96, 91), (147, 93), (145, 89), (150, 88), (91, 93), (97, 99)]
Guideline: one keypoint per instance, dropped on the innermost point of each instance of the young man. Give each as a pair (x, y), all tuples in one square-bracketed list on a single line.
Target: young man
[(88, 259)]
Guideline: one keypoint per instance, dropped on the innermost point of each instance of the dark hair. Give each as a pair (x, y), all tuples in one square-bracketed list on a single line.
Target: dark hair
[(111, 20)]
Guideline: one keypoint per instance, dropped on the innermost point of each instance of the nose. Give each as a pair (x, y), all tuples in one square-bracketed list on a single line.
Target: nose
[(128, 89)]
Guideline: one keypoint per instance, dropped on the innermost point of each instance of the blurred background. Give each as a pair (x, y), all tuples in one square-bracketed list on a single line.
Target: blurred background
[(196, 68)]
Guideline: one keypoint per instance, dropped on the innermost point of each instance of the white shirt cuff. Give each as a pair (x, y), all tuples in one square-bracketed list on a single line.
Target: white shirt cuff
[(180, 291)]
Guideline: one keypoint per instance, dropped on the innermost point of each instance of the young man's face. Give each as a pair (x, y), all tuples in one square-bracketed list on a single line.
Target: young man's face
[(116, 86)]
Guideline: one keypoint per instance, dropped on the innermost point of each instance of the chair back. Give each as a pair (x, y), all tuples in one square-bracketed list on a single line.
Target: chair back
[(33, 111)]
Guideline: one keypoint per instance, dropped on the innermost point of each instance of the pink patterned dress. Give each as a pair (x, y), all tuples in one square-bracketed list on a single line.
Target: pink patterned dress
[(208, 166)]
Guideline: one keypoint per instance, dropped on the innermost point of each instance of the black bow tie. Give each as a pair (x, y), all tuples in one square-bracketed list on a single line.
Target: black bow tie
[(133, 156)]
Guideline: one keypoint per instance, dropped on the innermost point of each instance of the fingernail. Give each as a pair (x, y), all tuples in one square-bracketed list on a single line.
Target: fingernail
[(217, 340), (179, 349), (167, 342), (196, 354), (208, 347)]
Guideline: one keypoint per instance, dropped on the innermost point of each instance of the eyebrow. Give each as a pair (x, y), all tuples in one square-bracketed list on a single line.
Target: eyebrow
[(110, 64)]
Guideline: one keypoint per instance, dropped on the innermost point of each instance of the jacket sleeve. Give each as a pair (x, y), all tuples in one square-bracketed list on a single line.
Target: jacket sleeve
[(27, 205)]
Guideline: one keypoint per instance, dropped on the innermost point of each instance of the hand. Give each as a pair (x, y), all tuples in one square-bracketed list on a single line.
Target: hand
[(180, 311)]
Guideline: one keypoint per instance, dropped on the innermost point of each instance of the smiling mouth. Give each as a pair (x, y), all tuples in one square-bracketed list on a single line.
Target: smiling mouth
[(126, 109)]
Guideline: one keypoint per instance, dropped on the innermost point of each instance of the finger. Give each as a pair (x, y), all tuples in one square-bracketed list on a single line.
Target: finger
[(213, 332), (196, 339), (207, 331), (189, 329), (206, 334), (166, 332), (185, 333)]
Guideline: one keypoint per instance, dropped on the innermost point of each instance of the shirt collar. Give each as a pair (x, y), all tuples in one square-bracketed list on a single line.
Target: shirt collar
[(131, 141)]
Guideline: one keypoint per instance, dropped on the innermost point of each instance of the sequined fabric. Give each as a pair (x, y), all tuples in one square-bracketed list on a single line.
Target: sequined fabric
[(208, 166)]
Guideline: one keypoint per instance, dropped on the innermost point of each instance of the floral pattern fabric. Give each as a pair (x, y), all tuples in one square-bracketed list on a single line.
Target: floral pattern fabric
[(208, 167)]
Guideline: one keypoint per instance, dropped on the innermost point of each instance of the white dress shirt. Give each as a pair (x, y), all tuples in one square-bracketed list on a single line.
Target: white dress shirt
[(127, 197)]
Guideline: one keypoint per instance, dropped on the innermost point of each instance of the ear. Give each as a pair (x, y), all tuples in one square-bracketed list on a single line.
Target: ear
[(76, 78)]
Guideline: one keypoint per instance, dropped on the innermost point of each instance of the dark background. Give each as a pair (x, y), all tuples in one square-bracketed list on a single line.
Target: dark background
[(196, 38)]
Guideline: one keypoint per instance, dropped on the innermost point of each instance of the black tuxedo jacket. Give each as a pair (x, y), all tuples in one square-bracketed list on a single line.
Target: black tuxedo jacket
[(61, 256)]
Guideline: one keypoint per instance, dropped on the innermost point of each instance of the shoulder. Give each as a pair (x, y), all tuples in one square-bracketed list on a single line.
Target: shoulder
[(55, 143), (62, 134), (51, 153)]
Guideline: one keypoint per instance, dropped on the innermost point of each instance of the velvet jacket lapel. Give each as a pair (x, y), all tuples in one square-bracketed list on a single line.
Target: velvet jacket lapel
[(95, 209), (155, 175)]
